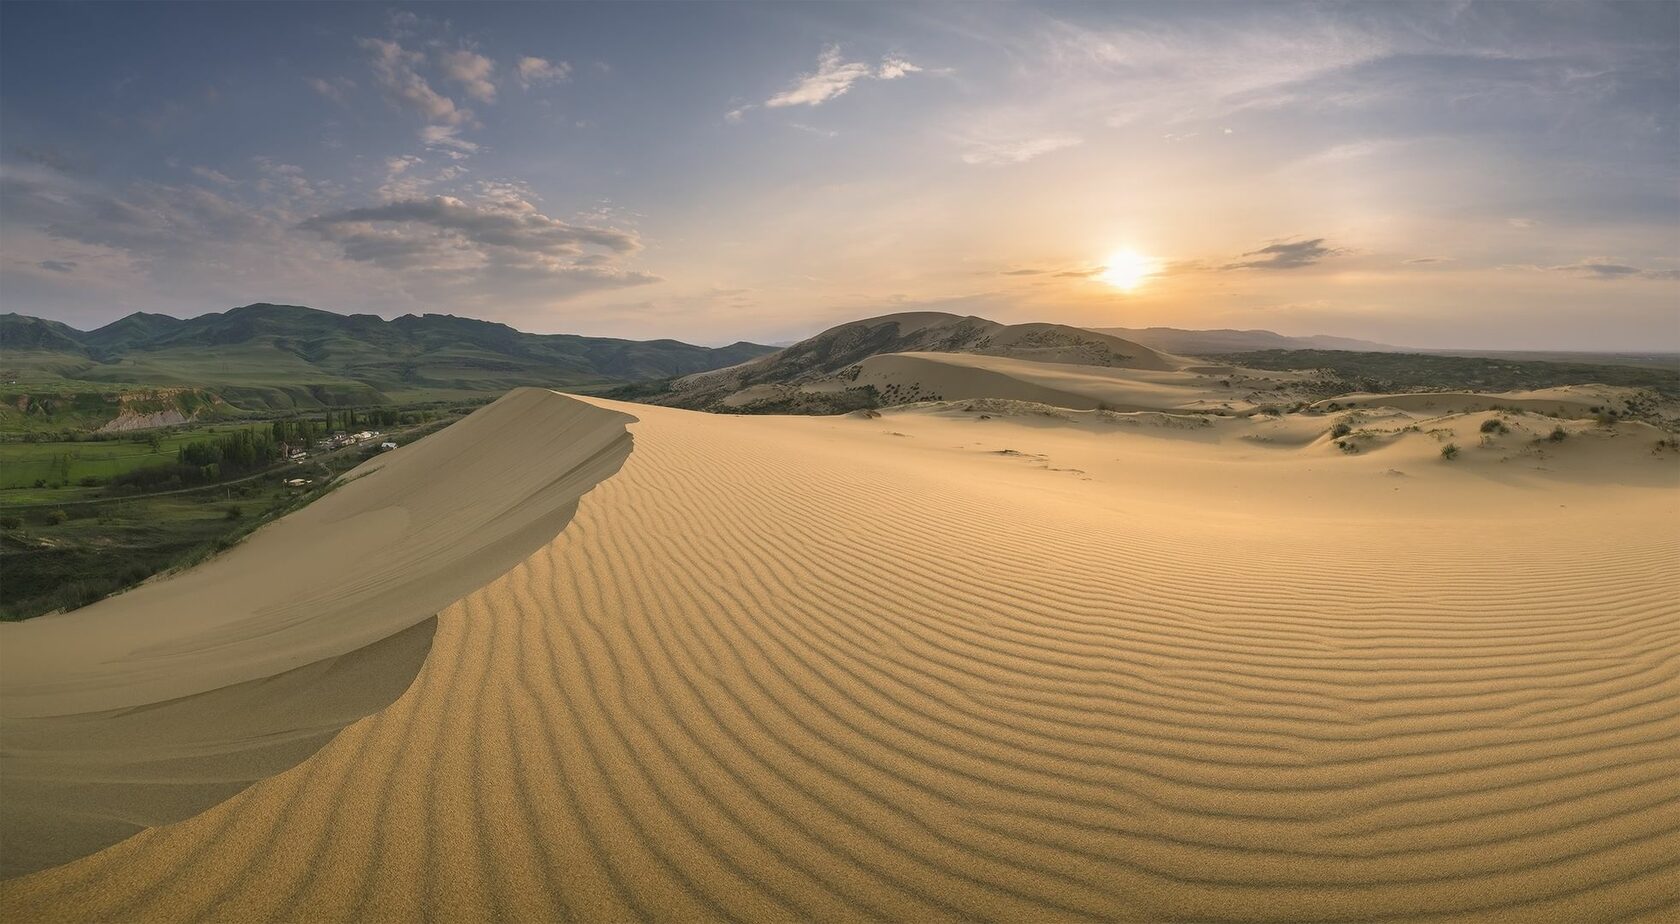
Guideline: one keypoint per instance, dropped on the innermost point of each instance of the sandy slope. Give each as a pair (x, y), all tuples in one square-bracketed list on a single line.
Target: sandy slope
[(957, 376), (930, 666), (156, 704)]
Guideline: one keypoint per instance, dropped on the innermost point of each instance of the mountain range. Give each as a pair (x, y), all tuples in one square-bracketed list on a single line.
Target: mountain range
[(271, 357)]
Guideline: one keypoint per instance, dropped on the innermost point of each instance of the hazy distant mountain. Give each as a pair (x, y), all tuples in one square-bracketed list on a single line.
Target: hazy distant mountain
[(285, 355), (1206, 342), (835, 350)]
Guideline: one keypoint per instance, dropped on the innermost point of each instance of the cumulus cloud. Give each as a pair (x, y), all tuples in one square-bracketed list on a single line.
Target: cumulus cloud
[(472, 71), (1286, 255), (1015, 151), (396, 70), (536, 72), (834, 76)]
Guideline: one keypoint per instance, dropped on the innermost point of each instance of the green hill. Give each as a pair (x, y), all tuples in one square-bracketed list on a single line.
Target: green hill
[(264, 357)]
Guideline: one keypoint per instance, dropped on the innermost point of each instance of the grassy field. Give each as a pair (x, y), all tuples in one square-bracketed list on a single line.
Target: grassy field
[(65, 547), (67, 464), (1380, 372)]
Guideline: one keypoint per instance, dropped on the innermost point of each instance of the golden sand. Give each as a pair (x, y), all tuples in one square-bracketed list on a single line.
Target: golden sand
[(930, 666)]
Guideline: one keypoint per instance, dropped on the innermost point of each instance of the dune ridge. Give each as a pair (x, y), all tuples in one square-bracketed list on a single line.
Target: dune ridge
[(783, 668), (154, 705)]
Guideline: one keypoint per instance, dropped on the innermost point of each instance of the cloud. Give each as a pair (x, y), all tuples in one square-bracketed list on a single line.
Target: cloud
[(1017, 151), (1080, 274), (734, 116), (336, 89), (214, 176), (834, 76), (58, 266), (472, 71), (536, 72), (1026, 272), (445, 232), (1606, 269), (1417, 261), (395, 69), (893, 67), (447, 138), (1287, 255)]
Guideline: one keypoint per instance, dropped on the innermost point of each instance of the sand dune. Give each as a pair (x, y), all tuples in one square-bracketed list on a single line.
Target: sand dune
[(1031, 665), (956, 376), (156, 704)]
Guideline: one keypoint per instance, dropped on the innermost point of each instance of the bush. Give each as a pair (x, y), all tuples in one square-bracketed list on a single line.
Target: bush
[(56, 517), (234, 512), (1340, 430), (1492, 425), (17, 522), (1558, 434), (1449, 451)]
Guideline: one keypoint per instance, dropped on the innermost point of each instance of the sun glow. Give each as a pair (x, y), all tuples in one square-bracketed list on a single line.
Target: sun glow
[(1127, 269)]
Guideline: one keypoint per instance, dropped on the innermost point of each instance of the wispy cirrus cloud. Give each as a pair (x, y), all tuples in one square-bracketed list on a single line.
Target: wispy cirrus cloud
[(835, 75), (396, 71), (999, 153)]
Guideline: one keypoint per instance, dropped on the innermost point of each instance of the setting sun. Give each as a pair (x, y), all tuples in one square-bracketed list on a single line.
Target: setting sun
[(1127, 269)]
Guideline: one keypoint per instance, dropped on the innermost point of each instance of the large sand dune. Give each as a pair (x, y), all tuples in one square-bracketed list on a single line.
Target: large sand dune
[(1007, 666), (158, 703)]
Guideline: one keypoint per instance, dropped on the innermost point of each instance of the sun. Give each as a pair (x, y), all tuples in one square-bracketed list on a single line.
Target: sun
[(1127, 269)]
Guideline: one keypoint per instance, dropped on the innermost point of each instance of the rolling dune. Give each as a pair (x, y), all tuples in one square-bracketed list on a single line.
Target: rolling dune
[(930, 666)]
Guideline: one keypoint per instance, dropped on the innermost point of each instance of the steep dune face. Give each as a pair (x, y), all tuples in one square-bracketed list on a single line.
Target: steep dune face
[(937, 667), (155, 704)]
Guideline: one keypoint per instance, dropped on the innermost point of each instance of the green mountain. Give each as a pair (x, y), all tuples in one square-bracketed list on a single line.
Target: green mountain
[(270, 357)]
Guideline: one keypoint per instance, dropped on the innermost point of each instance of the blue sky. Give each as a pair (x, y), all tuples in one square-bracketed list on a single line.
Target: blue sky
[(1438, 175)]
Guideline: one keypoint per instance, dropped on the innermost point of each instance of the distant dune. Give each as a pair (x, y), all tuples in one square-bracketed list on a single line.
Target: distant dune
[(1200, 342), (983, 660), (814, 375)]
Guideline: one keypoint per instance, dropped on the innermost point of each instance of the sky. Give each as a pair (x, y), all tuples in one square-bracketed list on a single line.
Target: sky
[(1435, 175)]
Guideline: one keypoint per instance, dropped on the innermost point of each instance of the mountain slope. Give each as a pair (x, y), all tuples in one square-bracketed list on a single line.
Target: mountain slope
[(270, 356), (825, 363)]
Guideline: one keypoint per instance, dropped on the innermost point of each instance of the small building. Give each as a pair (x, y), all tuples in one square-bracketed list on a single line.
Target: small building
[(386, 446)]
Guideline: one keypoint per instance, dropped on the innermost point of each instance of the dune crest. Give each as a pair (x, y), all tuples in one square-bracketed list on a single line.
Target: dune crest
[(932, 667), (153, 705)]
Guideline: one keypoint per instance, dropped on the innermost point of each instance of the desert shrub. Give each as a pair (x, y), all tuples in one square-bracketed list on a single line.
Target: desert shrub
[(1340, 430), (1492, 425), (1449, 451), (1558, 434)]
